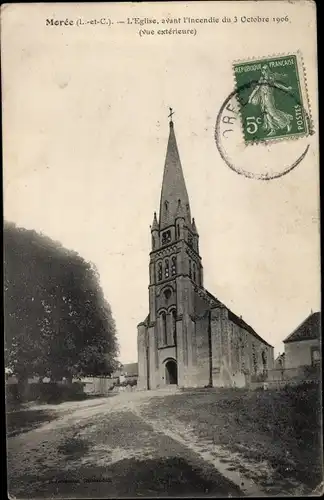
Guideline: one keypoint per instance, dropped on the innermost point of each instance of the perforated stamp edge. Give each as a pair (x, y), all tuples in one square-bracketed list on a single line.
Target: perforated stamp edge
[(304, 94)]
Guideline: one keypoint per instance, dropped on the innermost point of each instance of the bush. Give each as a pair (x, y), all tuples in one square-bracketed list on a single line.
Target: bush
[(56, 393), (127, 383), (45, 392)]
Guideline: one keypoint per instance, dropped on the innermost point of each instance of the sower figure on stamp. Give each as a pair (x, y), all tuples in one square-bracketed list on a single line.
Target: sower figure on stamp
[(263, 95)]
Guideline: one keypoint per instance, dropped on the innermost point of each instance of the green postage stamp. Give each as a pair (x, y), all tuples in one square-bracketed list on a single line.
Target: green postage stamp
[(273, 99)]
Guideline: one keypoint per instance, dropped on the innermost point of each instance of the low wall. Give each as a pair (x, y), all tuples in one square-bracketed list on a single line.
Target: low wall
[(279, 378), (44, 392), (101, 386), (98, 385)]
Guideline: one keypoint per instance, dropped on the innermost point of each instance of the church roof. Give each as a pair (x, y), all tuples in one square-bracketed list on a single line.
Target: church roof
[(309, 329), (238, 320), (174, 197), (242, 324)]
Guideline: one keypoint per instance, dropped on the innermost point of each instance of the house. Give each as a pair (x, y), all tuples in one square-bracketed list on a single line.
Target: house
[(303, 345), (128, 371), (280, 361)]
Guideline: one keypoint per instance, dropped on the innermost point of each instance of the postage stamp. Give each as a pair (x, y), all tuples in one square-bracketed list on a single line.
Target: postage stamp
[(278, 158), (272, 97)]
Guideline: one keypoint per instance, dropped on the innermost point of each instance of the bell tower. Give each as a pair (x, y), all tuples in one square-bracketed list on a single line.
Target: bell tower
[(189, 338), (175, 229), (175, 269)]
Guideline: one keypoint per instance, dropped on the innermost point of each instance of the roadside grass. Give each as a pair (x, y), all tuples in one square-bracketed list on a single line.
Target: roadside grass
[(20, 421), (282, 427)]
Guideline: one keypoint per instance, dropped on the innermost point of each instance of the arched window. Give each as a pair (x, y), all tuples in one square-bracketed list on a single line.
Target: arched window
[(159, 271), (174, 265), (178, 231), (264, 360), (166, 205), (164, 328), (194, 272), (174, 326), (242, 352), (153, 242), (166, 268), (190, 270), (254, 359), (166, 237)]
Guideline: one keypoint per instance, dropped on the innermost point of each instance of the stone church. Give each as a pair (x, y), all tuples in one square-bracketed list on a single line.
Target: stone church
[(189, 337)]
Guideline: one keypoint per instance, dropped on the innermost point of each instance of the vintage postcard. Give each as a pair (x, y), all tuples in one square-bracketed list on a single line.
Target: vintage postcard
[(161, 249)]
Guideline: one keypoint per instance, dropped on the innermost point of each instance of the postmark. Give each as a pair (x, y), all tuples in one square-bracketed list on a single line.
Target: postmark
[(264, 125), (272, 97), (265, 160)]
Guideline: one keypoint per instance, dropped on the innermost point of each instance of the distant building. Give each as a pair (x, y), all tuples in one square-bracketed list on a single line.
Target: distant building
[(189, 337), (280, 361), (130, 369), (126, 372), (302, 346)]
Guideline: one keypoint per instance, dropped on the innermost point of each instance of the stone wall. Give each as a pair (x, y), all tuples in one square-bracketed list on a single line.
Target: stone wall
[(236, 353), (142, 356), (300, 353), (200, 374)]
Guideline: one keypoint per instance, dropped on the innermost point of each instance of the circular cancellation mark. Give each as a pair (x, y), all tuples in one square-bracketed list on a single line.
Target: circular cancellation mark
[(266, 159)]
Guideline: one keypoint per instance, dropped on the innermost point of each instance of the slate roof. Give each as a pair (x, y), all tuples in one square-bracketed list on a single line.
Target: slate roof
[(239, 321), (309, 329), (242, 324)]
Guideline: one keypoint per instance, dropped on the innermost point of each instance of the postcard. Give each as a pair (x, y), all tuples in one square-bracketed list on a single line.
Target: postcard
[(161, 249)]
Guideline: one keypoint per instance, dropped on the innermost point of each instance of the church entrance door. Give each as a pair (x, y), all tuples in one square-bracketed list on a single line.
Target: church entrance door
[(171, 370)]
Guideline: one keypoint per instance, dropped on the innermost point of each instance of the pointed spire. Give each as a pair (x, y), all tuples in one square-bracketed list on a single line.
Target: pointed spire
[(173, 185), (193, 225), (180, 210), (155, 225)]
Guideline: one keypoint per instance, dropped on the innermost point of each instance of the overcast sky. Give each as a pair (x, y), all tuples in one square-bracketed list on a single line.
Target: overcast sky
[(86, 129)]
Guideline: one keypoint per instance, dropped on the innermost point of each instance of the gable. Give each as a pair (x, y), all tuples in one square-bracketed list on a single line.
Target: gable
[(309, 329)]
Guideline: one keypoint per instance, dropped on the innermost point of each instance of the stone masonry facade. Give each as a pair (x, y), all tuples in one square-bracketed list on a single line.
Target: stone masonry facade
[(189, 337)]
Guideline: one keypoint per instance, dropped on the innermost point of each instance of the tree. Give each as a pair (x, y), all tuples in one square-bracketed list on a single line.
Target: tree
[(57, 321)]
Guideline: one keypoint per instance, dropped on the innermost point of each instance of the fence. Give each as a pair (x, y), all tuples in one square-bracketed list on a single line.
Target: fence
[(98, 385), (282, 377), (102, 386), (44, 392), (49, 391)]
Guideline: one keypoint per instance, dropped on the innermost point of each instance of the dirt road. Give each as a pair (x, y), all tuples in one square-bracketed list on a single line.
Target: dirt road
[(105, 448)]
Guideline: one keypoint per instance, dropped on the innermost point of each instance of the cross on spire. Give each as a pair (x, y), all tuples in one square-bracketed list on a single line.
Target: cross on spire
[(171, 114), (173, 186)]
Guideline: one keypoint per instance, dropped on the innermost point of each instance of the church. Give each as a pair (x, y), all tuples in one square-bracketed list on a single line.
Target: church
[(190, 338)]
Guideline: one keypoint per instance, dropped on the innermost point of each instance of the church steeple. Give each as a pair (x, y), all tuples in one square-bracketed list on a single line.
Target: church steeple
[(155, 226), (174, 197), (194, 228)]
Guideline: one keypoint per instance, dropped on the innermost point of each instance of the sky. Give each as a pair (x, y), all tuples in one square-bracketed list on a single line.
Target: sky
[(85, 114)]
